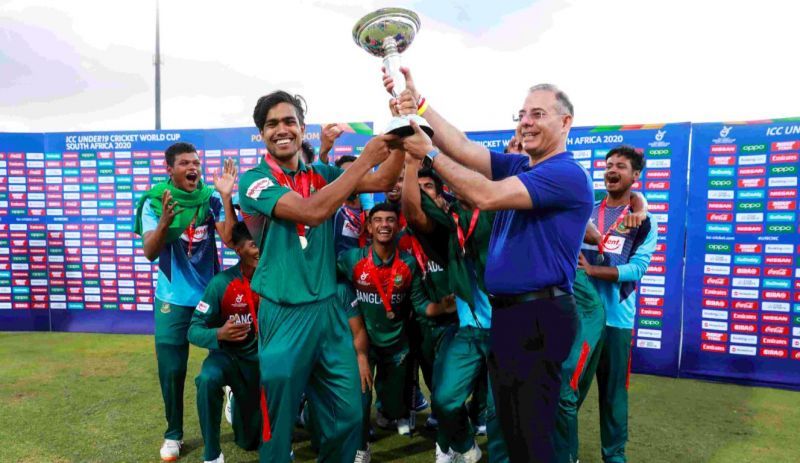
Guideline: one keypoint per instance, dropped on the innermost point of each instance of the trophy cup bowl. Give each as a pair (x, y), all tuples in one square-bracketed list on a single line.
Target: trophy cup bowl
[(387, 33)]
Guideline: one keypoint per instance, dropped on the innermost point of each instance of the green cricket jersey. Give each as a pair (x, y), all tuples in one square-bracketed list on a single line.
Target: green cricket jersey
[(476, 246), (406, 286), (227, 296), (288, 274), (435, 279)]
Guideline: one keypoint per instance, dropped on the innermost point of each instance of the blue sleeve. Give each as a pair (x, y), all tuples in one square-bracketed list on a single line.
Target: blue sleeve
[(217, 208), (557, 185), (149, 219), (367, 201), (640, 260), (506, 165)]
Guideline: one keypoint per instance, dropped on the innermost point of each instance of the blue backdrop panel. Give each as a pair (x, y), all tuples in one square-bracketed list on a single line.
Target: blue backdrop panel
[(23, 254), (657, 330), (69, 260), (742, 291)]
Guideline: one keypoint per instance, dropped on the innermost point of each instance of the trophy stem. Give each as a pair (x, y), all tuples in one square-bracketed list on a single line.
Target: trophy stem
[(391, 62)]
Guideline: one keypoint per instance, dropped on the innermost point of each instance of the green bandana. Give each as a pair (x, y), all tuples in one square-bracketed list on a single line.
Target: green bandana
[(190, 204), (477, 246)]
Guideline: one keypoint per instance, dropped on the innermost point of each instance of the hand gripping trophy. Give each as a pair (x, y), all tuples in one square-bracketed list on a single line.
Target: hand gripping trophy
[(386, 33)]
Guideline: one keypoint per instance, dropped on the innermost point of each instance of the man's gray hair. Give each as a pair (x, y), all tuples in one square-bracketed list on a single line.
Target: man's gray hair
[(564, 105)]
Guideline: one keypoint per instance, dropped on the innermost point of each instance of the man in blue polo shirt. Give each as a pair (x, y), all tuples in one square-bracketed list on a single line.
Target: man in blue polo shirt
[(544, 199)]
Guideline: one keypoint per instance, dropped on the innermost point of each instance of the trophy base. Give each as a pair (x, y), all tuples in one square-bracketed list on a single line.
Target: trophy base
[(401, 127)]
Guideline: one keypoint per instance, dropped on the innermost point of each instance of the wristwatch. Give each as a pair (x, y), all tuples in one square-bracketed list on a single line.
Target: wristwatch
[(427, 161)]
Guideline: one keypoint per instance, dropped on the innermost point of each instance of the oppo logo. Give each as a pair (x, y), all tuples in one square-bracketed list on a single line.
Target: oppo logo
[(783, 169), (754, 148)]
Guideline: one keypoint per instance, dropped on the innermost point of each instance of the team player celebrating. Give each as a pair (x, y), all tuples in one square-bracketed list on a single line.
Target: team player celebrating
[(614, 265), (388, 286), (223, 323), (177, 220), (288, 205)]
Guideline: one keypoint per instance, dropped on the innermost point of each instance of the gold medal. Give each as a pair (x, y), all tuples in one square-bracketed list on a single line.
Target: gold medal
[(390, 315)]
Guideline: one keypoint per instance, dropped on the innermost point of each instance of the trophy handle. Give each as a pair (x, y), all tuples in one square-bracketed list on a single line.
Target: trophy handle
[(391, 62)]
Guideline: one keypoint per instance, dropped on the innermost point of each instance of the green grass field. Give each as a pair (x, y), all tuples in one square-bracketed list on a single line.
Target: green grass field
[(95, 398)]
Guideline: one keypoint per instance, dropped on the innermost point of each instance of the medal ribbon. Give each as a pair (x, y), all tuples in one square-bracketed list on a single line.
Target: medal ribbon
[(251, 305), (190, 230), (462, 239), (372, 269), (301, 184), (601, 216), (419, 255)]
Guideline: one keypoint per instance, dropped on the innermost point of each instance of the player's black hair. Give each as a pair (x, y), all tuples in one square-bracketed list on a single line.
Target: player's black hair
[(267, 102), (308, 152), (636, 158), (383, 207), (429, 173), (175, 149), (345, 159), (240, 234)]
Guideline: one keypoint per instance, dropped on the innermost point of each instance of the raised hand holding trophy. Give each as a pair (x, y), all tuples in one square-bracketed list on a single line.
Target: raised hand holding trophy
[(386, 33)]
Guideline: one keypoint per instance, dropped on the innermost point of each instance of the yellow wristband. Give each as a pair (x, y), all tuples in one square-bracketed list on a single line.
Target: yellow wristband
[(422, 108)]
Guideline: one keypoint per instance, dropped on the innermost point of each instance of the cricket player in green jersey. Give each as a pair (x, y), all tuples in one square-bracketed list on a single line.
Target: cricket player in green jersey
[(388, 287), (433, 243), (579, 369), (177, 220), (460, 364), (223, 323), (350, 319), (288, 206)]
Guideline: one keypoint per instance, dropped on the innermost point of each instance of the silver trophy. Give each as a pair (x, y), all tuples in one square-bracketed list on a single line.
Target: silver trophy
[(386, 33)]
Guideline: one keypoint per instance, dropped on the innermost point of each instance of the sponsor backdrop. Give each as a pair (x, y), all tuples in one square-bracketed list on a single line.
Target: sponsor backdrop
[(742, 292), (69, 260), (657, 329)]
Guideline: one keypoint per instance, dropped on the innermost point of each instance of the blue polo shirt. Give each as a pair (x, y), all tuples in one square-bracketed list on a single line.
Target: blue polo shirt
[(537, 248)]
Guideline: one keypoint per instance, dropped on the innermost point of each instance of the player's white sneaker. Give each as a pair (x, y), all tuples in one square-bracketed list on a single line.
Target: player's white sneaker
[(363, 456), (228, 404), (480, 430), (431, 422), (472, 455), (403, 427), (442, 457), (171, 449), (219, 459)]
